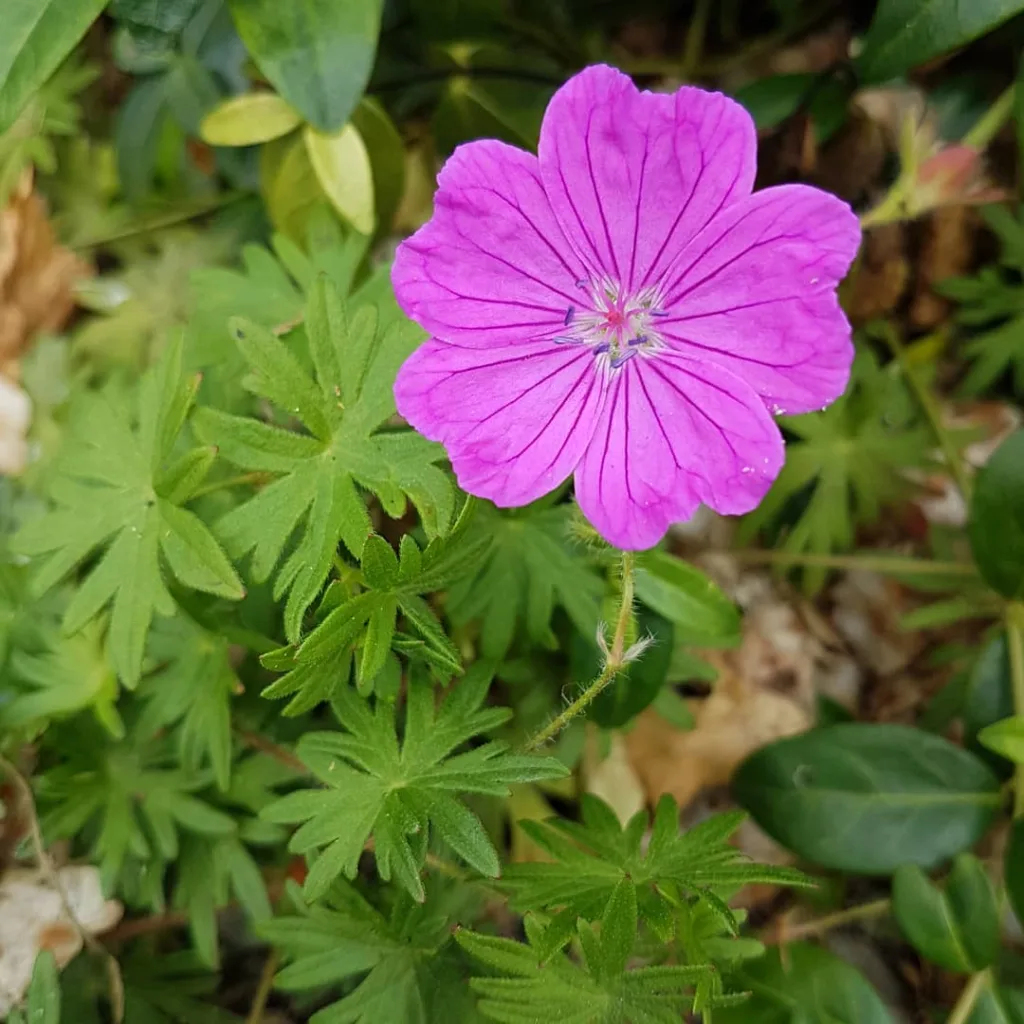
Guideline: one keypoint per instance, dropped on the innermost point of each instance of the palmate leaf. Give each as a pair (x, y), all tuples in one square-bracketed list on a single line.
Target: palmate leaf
[(65, 677), (125, 802), (320, 666), (540, 983), (994, 299), (192, 690), (396, 791), (844, 463), (120, 490), (405, 958), (530, 568), (591, 858), (317, 473)]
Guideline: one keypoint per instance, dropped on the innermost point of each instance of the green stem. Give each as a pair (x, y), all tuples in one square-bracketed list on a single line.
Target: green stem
[(931, 411), (259, 1003), (891, 564), (614, 663), (965, 1004), (1015, 646), (988, 125)]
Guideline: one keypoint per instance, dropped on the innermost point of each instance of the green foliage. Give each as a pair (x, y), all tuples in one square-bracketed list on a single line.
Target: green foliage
[(994, 300), (905, 33), (315, 474), (804, 984), (38, 36), (997, 519), (843, 466), (531, 568), (220, 408), (124, 490), (42, 1002), (869, 798), (957, 927), (396, 791), (404, 957), (537, 979), (590, 859), (317, 53)]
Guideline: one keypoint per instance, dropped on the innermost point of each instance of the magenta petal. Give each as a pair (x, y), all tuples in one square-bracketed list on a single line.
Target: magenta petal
[(492, 264), (515, 419), (674, 434), (633, 176), (755, 293)]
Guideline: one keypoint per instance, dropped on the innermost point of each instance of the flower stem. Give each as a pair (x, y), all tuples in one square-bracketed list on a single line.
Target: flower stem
[(614, 663), (931, 411), (1015, 647), (988, 125), (965, 1004)]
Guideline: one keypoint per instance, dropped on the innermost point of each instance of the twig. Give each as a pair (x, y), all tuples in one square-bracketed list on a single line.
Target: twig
[(139, 926), (259, 1001), (863, 911), (271, 749), (52, 876), (965, 1004), (615, 661)]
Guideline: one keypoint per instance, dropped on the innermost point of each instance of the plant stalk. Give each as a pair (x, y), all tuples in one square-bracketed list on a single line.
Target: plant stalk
[(965, 1004), (614, 663)]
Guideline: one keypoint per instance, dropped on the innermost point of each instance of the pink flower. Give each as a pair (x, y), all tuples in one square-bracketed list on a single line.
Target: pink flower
[(622, 309)]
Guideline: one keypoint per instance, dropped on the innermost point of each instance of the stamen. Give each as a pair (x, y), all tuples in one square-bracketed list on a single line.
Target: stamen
[(622, 358), (640, 339), (569, 314)]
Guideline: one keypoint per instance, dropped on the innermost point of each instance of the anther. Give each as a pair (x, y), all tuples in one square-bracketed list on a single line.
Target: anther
[(569, 314)]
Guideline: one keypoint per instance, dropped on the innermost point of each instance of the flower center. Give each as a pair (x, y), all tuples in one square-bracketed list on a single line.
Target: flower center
[(615, 325)]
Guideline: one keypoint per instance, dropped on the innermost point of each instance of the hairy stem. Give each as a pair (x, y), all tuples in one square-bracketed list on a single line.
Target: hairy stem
[(965, 1004), (1015, 647), (614, 663)]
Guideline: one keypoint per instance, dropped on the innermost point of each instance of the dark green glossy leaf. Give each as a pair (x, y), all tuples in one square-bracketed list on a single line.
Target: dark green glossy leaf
[(869, 798), (906, 33), (809, 986), (997, 518), (956, 927), (318, 54)]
